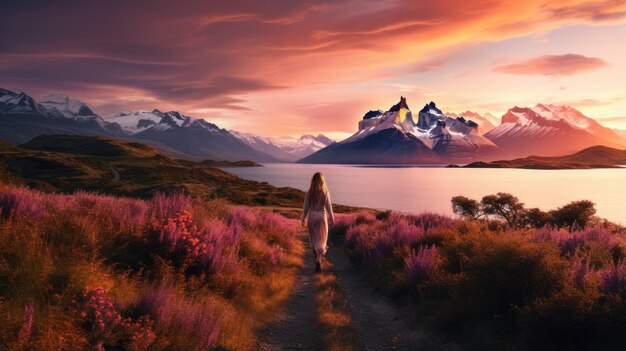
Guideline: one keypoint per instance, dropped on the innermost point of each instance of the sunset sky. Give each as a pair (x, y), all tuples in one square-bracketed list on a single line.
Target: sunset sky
[(292, 67)]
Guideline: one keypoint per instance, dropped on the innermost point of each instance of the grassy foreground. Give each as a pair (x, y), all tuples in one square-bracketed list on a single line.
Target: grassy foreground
[(495, 288), (87, 271)]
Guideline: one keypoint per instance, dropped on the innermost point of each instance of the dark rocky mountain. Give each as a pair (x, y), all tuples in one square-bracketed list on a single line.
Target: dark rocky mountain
[(485, 122), (393, 137), (387, 146)]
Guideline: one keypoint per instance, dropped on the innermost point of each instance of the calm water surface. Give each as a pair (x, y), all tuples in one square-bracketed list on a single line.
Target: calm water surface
[(415, 189)]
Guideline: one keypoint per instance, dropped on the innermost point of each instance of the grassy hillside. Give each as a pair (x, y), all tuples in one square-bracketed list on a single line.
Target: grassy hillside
[(592, 157), (67, 163), (89, 145)]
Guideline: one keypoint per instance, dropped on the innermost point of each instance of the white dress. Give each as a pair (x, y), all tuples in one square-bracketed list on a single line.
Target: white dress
[(317, 223)]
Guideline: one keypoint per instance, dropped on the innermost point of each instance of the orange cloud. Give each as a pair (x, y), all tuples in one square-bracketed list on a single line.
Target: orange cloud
[(553, 65), (248, 54)]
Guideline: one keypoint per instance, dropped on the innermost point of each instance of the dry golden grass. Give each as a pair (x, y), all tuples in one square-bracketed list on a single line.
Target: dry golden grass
[(333, 312), (51, 255), (258, 299)]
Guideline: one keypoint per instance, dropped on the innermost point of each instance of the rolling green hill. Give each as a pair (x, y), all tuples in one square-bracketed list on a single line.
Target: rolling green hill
[(62, 163)]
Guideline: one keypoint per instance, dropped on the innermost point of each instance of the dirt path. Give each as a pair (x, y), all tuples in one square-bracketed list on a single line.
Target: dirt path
[(296, 327), (380, 325)]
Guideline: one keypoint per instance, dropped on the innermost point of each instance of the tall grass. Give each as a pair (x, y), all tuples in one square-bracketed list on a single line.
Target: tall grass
[(90, 271), (493, 287)]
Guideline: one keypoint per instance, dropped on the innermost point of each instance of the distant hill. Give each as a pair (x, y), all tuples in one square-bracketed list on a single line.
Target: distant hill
[(66, 163), (86, 145), (592, 157)]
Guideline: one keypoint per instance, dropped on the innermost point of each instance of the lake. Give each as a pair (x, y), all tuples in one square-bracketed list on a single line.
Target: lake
[(417, 189)]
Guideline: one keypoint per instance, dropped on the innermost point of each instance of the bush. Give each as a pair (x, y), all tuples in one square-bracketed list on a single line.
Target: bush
[(576, 214), (494, 286)]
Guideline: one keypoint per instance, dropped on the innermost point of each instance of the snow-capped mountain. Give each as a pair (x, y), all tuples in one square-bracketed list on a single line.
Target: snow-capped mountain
[(305, 145), (393, 136), (263, 144), (485, 122), (550, 130), (66, 107), (22, 118), (21, 103), (63, 106), (288, 149), (137, 122)]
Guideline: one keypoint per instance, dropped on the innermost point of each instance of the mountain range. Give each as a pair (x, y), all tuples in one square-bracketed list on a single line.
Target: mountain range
[(386, 137), (22, 118), (287, 148), (550, 130), (394, 137)]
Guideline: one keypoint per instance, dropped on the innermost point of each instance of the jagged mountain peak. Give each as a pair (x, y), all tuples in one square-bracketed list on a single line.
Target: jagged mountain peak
[(400, 105), (320, 138), (6, 92), (20, 103), (285, 148), (435, 137), (139, 121), (372, 114), (431, 108)]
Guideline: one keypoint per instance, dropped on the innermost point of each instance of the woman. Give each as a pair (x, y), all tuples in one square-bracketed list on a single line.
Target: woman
[(318, 211)]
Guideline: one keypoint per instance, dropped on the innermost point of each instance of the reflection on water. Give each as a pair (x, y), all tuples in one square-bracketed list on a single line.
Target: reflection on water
[(416, 189)]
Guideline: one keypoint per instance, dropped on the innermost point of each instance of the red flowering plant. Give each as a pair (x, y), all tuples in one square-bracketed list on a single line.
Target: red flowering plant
[(99, 317), (208, 249)]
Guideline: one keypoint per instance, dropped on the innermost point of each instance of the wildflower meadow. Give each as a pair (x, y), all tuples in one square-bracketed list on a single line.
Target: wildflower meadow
[(90, 271)]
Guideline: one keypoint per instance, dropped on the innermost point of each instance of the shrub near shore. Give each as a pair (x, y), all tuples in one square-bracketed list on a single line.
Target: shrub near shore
[(172, 273), (492, 287)]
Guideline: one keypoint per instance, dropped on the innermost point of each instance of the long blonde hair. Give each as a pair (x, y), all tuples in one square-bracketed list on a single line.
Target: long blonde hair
[(317, 191)]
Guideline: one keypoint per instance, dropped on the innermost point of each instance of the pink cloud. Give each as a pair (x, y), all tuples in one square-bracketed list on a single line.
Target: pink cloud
[(223, 55), (553, 65)]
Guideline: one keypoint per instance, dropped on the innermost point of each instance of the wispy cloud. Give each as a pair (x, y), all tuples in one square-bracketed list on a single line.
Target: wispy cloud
[(553, 65), (211, 55)]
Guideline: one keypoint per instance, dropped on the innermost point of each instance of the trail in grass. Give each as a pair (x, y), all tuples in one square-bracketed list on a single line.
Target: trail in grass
[(380, 325), (371, 322), (296, 326)]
